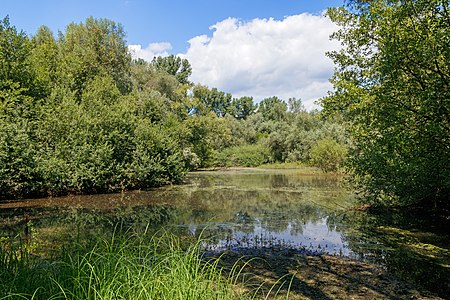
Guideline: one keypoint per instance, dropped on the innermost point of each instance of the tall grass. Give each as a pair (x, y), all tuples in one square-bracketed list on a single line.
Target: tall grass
[(120, 267)]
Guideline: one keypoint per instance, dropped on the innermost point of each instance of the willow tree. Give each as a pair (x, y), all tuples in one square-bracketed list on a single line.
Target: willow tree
[(392, 82)]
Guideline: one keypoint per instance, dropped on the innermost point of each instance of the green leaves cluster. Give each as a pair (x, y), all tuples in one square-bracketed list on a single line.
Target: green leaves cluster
[(392, 82), (73, 118), (328, 155)]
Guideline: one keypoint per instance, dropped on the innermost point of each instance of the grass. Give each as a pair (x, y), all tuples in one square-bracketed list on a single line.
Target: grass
[(158, 266)]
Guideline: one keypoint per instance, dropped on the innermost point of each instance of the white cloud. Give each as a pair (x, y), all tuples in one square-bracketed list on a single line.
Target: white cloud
[(152, 50), (266, 57)]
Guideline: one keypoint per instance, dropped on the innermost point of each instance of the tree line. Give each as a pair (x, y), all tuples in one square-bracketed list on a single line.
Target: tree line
[(79, 115)]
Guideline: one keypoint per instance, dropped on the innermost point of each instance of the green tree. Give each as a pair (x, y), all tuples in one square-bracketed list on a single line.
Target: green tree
[(242, 107), (211, 100), (44, 59), (16, 75), (392, 83), (19, 95), (75, 118), (273, 108), (160, 91), (96, 47), (242, 131), (205, 135), (174, 65), (295, 105), (244, 156), (18, 173)]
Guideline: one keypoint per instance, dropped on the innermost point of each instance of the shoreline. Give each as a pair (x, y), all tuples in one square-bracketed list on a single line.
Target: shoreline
[(322, 276)]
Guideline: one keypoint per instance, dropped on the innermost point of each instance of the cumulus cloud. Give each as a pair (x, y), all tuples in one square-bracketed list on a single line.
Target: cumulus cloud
[(266, 57), (152, 50)]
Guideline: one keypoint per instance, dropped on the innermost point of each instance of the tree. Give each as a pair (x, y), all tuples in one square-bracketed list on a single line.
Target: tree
[(96, 47), (72, 122), (273, 108), (392, 82), (295, 105), (211, 100), (44, 58), (16, 75), (204, 135), (242, 107), (146, 78), (18, 99), (174, 65)]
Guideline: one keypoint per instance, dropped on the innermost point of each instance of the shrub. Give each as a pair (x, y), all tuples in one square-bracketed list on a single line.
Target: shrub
[(243, 156), (328, 155)]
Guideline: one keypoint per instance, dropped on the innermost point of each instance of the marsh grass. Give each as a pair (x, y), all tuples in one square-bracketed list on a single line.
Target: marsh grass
[(122, 266)]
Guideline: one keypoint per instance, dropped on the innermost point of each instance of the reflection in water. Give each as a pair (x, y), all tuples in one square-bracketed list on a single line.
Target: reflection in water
[(233, 209), (315, 238), (267, 210)]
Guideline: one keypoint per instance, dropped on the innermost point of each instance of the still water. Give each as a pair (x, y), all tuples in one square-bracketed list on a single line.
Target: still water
[(249, 210)]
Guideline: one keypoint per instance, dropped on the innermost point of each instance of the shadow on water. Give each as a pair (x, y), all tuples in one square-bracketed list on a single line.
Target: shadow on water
[(299, 224), (413, 245)]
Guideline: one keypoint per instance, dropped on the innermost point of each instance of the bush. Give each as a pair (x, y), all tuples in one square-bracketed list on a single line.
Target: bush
[(328, 155), (100, 144), (243, 156), (191, 159)]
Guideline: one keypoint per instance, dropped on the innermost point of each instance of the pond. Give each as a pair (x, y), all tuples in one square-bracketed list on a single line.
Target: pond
[(252, 211)]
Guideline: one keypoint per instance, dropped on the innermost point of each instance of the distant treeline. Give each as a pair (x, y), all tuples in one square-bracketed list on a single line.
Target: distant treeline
[(79, 115)]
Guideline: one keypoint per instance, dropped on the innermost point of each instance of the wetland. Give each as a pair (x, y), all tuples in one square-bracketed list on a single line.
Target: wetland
[(294, 223)]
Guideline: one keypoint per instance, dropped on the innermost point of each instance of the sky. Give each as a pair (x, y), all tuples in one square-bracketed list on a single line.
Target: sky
[(258, 48)]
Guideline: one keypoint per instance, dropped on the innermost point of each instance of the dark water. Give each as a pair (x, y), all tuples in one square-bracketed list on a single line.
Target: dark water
[(248, 210)]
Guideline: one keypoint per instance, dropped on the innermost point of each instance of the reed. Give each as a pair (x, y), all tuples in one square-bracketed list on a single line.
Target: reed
[(145, 266)]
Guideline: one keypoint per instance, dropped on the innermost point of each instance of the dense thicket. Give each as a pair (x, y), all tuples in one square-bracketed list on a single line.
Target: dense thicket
[(73, 117), (78, 115), (392, 82)]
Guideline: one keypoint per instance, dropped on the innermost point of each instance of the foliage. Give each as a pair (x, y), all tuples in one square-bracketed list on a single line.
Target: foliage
[(44, 59), (205, 135), (94, 48), (392, 84), (18, 174), (109, 145), (242, 107), (191, 159), (328, 155), (243, 156), (273, 108), (211, 100), (178, 67), (70, 121), (16, 76)]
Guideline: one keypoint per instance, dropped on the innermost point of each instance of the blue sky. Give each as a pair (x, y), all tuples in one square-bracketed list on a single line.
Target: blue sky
[(199, 30)]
